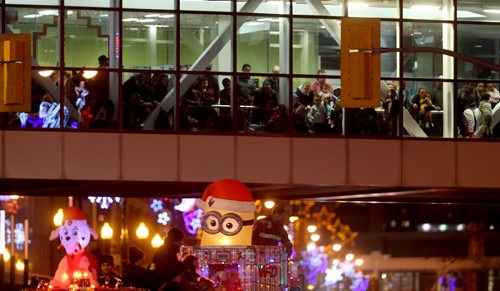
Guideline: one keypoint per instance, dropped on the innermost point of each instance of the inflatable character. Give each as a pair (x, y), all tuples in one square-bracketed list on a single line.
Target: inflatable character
[(229, 214), (77, 266)]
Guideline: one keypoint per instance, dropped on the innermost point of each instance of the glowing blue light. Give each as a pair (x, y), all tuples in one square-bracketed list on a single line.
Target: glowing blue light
[(156, 205)]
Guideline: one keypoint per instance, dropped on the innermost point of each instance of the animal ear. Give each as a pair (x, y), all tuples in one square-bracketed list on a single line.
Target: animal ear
[(93, 233), (54, 234)]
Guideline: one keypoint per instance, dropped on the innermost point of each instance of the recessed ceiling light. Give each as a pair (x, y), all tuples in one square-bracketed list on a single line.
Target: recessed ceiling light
[(425, 7), (497, 11), (358, 5)]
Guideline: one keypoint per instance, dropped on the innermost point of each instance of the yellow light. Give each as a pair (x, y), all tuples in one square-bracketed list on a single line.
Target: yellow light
[(261, 217), (310, 287), (226, 241), (157, 241), (311, 247), (6, 255), (65, 277), (337, 247), (358, 262), (77, 275), (315, 237), (142, 231), (349, 257), (58, 218), (335, 262), (293, 218), (269, 204), (312, 228), (19, 265), (45, 73), (106, 231), (383, 276), (89, 74)]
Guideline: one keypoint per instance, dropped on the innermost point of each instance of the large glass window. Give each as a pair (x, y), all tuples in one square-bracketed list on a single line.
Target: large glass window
[(148, 40), (431, 9), (478, 10)]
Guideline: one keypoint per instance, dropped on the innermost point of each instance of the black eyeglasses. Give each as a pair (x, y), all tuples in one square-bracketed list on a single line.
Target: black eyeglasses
[(228, 224)]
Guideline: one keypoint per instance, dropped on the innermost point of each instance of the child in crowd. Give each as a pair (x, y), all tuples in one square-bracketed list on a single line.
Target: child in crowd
[(486, 115), (317, 116), (494, 94), (107, 276)]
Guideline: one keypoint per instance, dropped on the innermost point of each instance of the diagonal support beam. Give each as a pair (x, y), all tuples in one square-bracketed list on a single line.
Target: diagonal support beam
[(199, 65)]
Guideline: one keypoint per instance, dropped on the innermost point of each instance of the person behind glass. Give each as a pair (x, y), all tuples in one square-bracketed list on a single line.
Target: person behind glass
[(316, 116), (107, 276), (391, 112), (264, 98), (317, 86), (494, 94), (136, 276), (304, 94), (467, 112), (167, 266), (485, 118), (224, 120), (270, 231), (274, 81), (246, 86), (421, 105)]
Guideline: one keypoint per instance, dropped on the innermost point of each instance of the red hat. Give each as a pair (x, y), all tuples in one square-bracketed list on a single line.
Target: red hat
[(228, 195), (73, 213)]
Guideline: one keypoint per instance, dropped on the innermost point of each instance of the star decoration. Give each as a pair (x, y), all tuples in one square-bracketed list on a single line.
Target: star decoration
[(324, 217)]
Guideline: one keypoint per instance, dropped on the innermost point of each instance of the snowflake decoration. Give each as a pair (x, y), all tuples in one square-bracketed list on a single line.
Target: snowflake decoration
[(163, 218), (104, 201), (192, 220), (333, 275), (156, 205), (18, 235)]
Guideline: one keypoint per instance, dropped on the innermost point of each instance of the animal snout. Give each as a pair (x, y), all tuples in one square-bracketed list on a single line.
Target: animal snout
[(68, 238)]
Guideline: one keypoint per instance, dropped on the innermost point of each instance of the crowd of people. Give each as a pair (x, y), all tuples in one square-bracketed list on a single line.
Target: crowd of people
[(316, 105)]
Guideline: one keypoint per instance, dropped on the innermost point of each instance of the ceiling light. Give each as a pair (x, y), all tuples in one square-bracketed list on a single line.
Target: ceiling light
[(45, 73), (425, 7), (130, 19), (496, 11), (152, 15), (48, 12), (166, 16), (145, 20), (357, 5), (32, 15)]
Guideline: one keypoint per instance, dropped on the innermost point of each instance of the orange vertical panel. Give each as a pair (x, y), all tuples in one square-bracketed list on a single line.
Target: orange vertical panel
[(359, 65), (15, 72)]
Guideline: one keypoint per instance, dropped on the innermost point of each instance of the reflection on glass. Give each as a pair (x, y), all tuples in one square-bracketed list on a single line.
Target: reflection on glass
[(478, 10), (329, 7), (149, 4), (431, 9), (260, 44), (45, 106), (423, 35), (42, 25), (271, 7), (86, 37), (378, 9), (207, 5), (480, 42), (388, 61), (200, 33), (148, 40), (315, 47), (90, 3)]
